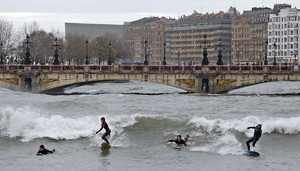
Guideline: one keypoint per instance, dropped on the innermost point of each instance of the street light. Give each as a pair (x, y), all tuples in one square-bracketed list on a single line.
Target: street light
[(164, 62), (178, 53), (109, 55), (266, 53), (220, 62), (1, 46), (56, 47), (275, 46), (86, 51), (26, 45), (238, 52), (205, 59), (146, 48)]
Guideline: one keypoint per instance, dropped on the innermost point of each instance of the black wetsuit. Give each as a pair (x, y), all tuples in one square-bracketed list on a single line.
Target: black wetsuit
[(255, 138), (178, 142), (105, 126), (45, 151)]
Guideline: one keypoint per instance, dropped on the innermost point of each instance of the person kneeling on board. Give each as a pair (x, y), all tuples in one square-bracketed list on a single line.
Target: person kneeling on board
[(43, 150), (105, 126), (257, 135), (180, 141)]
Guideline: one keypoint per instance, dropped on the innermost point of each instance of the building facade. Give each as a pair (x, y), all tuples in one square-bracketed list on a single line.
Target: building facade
[(284, 37), (185, 39), (91, 31), (146, 37), (249, 36)]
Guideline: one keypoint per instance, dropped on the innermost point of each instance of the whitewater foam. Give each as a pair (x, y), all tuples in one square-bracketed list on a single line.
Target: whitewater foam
[(270, 125), (226, 144), (29, 123)]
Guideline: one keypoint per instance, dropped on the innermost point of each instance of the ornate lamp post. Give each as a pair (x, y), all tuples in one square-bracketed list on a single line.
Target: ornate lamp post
[(238, 52), (178, 53), (26, 45), (266, 53), (146, 49), (109, 55), (56, 47), (86, 50), (275, 46), (1, 47), (205, 59), (220, 62), (164, 62)]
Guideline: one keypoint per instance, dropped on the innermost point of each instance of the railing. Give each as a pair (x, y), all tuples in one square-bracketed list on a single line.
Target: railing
[(155, 69)]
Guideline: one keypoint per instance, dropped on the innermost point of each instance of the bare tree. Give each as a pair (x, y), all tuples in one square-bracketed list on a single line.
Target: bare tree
[(99, 48), (7, 38), (75, 48), (121, 50)]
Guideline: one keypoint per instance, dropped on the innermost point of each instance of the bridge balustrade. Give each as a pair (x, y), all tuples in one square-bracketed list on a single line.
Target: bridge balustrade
[(188, 69), (257, 69), (13, 67), (36, 67), (94, 68), (176, 69), (56, 68), (137, 69), (286, 69), (234, 69), (165, 69), (198, 69), (222, 69), (67, 68), (245, 69), (153, 69), (106, 69), (45, 68), (148, 68), (21, 67), (2, 68), (273, 69), (126, 69)]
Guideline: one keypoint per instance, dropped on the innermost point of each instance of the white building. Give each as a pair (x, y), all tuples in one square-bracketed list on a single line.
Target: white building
[(283, 36)]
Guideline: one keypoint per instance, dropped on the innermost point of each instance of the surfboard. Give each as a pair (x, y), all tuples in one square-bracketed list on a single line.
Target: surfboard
[(105, 145), (176, 146), (252, 153)]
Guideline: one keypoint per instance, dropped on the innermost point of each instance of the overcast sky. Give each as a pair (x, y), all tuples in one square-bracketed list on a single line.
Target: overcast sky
[(54, 13)]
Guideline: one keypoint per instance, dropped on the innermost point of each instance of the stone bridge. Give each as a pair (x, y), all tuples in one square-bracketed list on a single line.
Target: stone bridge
[(193, 78)]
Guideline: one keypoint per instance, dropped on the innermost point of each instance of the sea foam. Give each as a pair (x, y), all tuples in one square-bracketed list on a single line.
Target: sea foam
[(28, 123)]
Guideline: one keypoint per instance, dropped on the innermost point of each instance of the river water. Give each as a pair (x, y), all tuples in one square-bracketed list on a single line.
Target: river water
[(142, 117)]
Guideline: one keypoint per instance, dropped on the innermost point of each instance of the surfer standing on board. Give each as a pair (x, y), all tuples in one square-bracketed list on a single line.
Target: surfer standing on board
[(105, 126), (180, 141), (255, 138)]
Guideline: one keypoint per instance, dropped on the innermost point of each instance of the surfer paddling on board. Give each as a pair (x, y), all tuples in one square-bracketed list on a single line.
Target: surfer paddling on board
[(43, 150), (255, 138), (105, 126), (180, 141)]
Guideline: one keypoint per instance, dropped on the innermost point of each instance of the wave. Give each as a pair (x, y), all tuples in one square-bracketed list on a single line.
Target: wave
[(270, 124), (28, 123), (221, 136)]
